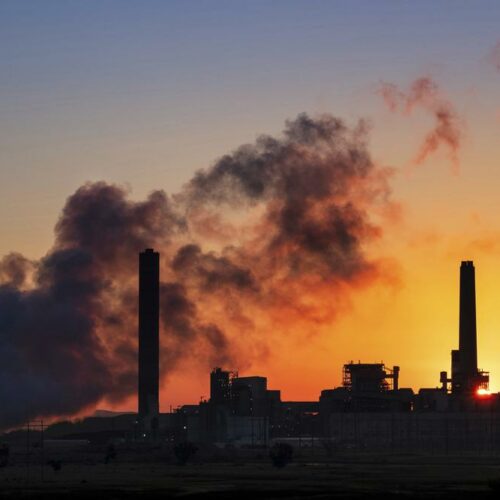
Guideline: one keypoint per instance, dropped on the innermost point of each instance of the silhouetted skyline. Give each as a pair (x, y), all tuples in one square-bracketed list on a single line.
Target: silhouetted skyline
[(249, 249), (295, 200), (242, 410)]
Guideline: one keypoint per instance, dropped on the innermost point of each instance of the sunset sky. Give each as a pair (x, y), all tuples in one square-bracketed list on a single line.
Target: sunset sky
[(143, 94)]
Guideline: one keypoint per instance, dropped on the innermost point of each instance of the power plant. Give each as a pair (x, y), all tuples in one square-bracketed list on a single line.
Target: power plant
[(369, 409)]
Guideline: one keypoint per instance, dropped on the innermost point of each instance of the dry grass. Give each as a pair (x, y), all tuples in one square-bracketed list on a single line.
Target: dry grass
[(84, 475)]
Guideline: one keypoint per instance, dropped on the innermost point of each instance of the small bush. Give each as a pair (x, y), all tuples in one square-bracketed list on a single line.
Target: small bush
[(184, 452), (110, 453), (4, 455), (494, 484), (329, 446), (55, 464), (281, 454)]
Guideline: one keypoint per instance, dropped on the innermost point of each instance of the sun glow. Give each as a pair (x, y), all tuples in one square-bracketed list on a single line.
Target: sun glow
[(483, 392)]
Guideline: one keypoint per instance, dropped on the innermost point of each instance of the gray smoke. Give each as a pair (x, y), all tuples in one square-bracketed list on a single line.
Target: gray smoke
[(257, 237), (425, 93)]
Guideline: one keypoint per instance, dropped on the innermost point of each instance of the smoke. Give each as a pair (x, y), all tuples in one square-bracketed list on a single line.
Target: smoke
[(425, 93), (48, 347), (267, 243), (185, 331), (210, 271), (15, 269), (67, 341)]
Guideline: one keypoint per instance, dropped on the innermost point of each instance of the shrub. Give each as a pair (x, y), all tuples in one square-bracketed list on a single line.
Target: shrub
[(329, 446), (184, 452), (4, 455), (494, 484), (110, 453), (55, 464), (281, 454)]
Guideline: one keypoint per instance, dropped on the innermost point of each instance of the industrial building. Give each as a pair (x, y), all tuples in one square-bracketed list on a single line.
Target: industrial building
[(368, 411)]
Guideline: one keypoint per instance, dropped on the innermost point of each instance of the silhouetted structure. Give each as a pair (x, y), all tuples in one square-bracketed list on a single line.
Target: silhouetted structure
[(149, 368), (220, 389), (466, 379), (369, 377), (467, 320), (366, 387), (368, 411)]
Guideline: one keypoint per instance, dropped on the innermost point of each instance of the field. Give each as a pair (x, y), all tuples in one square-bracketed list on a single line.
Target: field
[(133, 473)]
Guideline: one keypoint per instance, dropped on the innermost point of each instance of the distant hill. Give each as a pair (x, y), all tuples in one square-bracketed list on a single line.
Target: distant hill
[(109, 413)]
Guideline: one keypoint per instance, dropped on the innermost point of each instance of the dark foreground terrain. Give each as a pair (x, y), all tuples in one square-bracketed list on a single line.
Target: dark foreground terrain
[(154, 473)]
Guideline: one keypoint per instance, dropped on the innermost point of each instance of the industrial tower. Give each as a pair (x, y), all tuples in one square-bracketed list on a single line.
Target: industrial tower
[(149, 368), (466, 378)]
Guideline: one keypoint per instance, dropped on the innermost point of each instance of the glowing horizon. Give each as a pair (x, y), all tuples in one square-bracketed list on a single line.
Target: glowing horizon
[(118, 95)]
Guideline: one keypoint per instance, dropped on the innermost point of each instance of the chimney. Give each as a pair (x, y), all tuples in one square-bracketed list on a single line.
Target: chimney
[(395, 379), (467, 327), (149, 370)]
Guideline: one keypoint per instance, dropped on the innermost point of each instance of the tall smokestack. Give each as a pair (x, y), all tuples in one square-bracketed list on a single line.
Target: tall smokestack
[(149, 368), (467, 328)]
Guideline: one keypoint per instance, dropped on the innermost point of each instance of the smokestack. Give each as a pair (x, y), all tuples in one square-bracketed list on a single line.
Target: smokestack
[(467, 329), (149, 368), (395, 378)]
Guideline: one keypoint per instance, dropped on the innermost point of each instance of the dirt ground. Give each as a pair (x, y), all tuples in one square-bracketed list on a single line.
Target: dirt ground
[(86, 476)]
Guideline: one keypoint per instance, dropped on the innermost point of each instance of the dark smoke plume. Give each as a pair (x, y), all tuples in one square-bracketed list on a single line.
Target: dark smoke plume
[(15, 269), (268, 242), (425, 93)]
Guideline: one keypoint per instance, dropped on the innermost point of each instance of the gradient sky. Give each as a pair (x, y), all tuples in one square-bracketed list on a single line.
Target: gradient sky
[(144, 93)]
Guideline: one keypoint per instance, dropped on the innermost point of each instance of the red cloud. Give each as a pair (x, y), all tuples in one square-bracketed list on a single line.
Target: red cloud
[(425, 93)]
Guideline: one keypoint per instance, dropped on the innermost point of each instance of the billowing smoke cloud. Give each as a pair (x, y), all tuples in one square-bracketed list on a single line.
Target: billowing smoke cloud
[(425, 93), (15, 269), (67, 340), (268, 242)]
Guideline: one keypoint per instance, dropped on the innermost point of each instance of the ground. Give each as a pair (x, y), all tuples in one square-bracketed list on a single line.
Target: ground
[(250, 475)]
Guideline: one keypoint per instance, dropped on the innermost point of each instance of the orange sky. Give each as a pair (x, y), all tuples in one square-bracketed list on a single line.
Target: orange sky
[(137, 101), (412, 323)]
